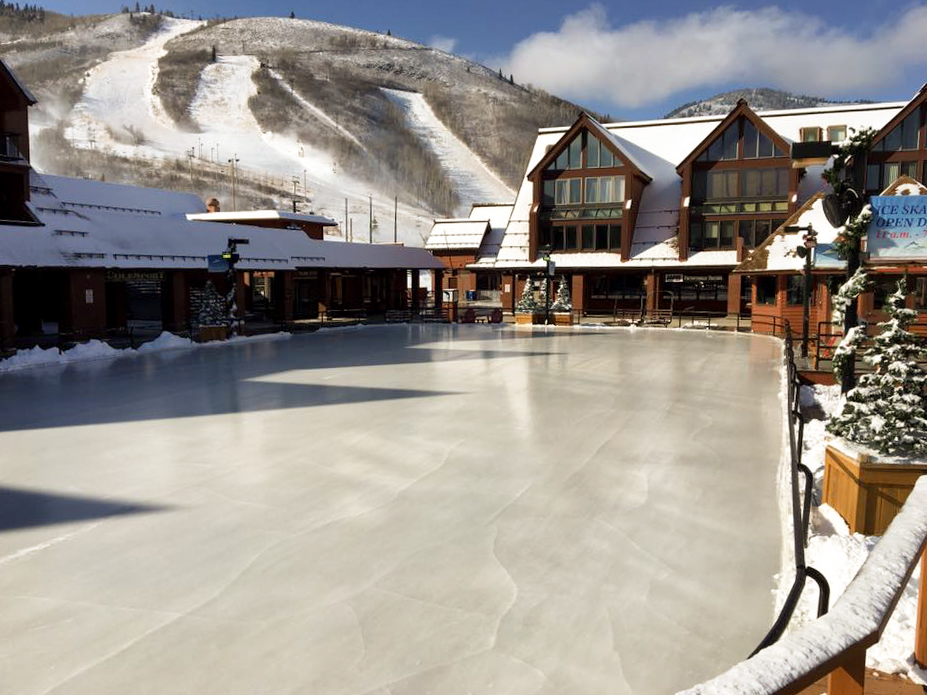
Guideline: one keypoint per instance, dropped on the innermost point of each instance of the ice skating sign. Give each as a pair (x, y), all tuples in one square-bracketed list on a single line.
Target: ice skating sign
[(898, 229)]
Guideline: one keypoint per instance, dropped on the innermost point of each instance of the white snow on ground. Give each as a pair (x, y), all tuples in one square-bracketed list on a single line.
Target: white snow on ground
[(838, 554), (475, 182), (96, 350)]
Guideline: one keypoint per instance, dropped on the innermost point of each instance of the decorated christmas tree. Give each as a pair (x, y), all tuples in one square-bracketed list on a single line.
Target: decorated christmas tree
[(886, 410), (564, 301), (212, 311), (527, 304), (545, 291)]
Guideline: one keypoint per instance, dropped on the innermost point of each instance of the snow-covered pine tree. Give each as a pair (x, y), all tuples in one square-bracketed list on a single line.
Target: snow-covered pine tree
[(545, 291), (845, 296), (886, 411), (564, 301), (213, 311), (526, 303)]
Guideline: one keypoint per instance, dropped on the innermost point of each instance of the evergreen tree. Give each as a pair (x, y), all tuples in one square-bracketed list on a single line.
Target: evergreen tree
[(564, 301), (886, 410), (526, 303), (545, 291), (292, 14), (213, 310)]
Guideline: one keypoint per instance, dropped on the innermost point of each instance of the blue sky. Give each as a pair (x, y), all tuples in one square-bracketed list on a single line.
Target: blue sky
[(640, 59)]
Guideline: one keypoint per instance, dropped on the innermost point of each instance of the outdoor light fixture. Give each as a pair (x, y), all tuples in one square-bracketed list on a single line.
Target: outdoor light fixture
[(809, 241)]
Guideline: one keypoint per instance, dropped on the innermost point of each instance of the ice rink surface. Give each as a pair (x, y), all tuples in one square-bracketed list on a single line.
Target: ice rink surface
[(401, 510)]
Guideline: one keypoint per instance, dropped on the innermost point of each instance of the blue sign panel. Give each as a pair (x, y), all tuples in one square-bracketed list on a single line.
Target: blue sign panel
[(825, 256), (898, 230), (217, 264)]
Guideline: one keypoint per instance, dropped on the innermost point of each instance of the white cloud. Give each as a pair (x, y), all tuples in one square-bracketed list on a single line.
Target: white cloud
[(645, 62), (443, 43)]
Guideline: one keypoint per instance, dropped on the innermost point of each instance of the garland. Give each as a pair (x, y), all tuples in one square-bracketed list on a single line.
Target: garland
[(840, 181)]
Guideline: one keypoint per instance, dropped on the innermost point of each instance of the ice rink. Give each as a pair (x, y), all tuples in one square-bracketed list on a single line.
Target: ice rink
[(399, 510)]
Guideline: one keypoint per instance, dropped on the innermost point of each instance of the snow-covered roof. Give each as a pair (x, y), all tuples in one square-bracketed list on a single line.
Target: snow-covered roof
[(457, 235), (778, 253), (261, 216), (497, 215), (657, 147), (16, 81), (94, 224)]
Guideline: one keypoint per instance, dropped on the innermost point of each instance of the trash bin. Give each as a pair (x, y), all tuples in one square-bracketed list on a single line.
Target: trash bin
[(471, 295)]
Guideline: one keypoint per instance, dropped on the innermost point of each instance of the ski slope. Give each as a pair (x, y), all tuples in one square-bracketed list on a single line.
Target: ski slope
[(475, 182), (119, 112)]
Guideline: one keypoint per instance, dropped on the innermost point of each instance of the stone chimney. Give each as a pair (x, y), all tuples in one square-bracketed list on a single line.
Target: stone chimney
[(213, 205)]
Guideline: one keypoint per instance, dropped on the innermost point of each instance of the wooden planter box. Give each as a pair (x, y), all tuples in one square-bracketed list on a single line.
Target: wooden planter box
[(866, 493), (562, 318), (526, 319), (207, 334)]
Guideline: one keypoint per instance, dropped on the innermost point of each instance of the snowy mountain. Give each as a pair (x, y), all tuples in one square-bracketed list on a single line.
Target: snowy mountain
[(760, 99), (338, 119)]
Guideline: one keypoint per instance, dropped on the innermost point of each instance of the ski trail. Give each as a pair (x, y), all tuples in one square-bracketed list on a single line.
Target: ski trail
[(475, 182), (119, 95), (316, 111)]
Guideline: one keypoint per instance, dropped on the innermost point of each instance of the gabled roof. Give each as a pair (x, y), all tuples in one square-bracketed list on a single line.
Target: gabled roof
[(741, 109), (585, 121), (905, 185), (777, 252), (915, 102), (11, 76)]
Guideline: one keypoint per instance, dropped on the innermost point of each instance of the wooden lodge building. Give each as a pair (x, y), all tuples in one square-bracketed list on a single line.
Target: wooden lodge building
[(85, 257), (659, 214)]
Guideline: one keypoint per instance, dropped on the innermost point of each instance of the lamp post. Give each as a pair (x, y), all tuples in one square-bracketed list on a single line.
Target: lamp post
[(809, 242), (231, 256), (845, 201), (549, 269)]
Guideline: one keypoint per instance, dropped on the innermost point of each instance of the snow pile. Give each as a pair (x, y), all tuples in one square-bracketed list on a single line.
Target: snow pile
[(839, 554), (96, 350)]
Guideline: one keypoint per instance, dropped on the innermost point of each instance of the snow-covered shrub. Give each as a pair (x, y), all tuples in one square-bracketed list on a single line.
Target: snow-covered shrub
[(526, 303), (564, 301)]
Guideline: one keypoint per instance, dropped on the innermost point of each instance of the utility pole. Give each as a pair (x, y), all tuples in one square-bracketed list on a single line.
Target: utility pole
[(395, 218), (370, 219), (345, 218), (232, 162)]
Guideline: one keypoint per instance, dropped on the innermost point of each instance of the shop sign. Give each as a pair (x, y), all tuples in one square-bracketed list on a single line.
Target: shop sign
[(134, 276), (674, 277), (898, 229), (217, 264)]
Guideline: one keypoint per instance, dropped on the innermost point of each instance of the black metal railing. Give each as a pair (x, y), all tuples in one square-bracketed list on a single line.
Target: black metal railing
[(801, 506)]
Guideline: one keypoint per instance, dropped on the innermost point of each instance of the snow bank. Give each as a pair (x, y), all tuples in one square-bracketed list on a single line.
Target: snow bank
[(96, 350)]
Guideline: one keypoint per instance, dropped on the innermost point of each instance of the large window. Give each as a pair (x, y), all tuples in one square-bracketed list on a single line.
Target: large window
[(794, 289), (766, 290), (757, 145), (729, 184), (585, 237), (755, 232), (766, 183), (605, 189), (570, 158), (903, 136), (619, 286), (881, 176), (709, 235), (598, 154), (569, 191)]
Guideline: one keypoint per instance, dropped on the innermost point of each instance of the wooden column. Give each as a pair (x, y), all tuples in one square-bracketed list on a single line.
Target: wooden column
[(416, 285), (438, 287), (920, 634), (849, 678), (7, 323), (578, 290), (733, 294)]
